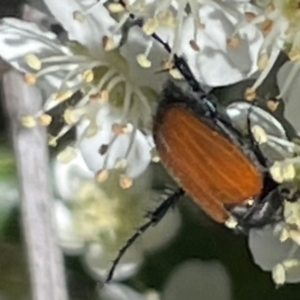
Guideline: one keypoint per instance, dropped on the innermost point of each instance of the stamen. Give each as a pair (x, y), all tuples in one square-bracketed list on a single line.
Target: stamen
[(233, 43), (283, 171), (150, 26), (115, 8), (108, 43), (102, 176), (125, 182), (45, 120), (88, 76), (63, 96), (274, 55), (53, 139), (73, 115), (142, 58), (29, 121), (33, 62), (250, 94), (30, 79), (262, 61)]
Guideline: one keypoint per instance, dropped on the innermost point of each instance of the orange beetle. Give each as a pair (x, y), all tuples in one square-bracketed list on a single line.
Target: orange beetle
[(220, 167)]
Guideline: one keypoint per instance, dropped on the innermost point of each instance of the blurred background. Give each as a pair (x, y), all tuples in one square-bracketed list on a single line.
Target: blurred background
[(186, 257)]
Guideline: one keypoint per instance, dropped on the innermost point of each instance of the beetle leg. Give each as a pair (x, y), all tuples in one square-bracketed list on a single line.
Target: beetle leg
[(262, 212), (155, 217)]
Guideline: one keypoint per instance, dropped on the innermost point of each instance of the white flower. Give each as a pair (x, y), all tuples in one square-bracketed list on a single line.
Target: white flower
[(117, 97), (95, 221), (109, 86)]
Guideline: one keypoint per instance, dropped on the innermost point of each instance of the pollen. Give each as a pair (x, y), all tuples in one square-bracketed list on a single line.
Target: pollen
[(176, 74), (250, 94), (118, 129), (273, 105), (33, 62), (115, 8), (281, 172), (150, 26), (259, 134), (143, 61), (29, 121), (102, 176), (125, 182), (88, 76), (104, 95), (108, 43), (52, 141), (72, 115), (233, 43), (45, 120), (63, 96), (294, 55), (30, 79)]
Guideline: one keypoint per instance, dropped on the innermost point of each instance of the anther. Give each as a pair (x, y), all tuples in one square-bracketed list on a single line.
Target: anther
[(29, 121), (259, 134), (116, 8), (125, 182), (30, 79), (63, 96), (45, 120), (233, 43), (33, 62), (250, 94), (102, 176), (78, 16)]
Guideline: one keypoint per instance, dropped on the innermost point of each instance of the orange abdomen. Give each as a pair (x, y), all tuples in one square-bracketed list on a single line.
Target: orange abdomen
[(208, 166)]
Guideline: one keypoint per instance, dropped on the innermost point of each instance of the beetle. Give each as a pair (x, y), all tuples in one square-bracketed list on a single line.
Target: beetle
[(222, 168)]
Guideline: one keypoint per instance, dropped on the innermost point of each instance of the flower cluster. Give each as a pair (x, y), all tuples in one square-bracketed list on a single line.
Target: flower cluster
[(107, 76)]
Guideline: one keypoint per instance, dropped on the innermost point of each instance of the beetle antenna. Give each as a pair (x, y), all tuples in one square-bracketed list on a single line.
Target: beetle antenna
[(179, 61), (155, 217)]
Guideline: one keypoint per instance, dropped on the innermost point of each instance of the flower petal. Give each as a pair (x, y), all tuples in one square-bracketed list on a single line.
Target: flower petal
[(116, 291), (68, 177), (139, 155), (98, 260), (217, 63), (18, 38), (291, 96), (70, 242), (89, 32), (194, 278), (267, 250), (163, 233)]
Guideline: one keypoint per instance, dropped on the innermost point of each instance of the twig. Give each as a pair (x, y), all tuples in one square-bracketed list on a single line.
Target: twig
[(44, 257)]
